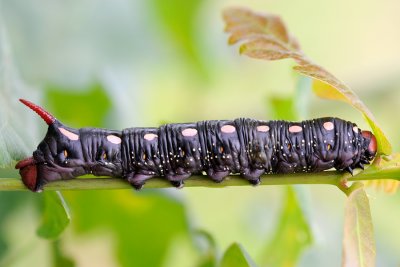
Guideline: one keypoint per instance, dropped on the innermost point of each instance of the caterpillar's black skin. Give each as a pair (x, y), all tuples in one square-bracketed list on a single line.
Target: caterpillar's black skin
[(177, 151)]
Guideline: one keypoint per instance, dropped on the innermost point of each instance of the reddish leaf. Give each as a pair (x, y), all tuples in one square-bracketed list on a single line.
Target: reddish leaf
[(243, 23)]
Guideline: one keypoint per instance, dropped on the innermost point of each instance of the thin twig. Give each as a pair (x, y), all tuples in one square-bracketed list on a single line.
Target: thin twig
[(327, 177)]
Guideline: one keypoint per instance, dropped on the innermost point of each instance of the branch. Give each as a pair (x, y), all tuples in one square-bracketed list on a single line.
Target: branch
[(379, 170)]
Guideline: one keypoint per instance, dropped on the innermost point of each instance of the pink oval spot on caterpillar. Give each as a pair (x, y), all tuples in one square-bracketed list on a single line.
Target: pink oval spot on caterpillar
[(263, 128), (295, 129), (189, 132), (228, 129), (328, 126), (150, 136), (68, 134), (355, 129), (114, 139)]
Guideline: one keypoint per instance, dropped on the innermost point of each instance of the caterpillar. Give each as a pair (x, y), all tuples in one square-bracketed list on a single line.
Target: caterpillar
[(176, 151)]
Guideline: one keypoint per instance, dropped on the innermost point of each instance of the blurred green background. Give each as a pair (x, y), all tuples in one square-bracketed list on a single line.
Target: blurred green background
[(118, 64)]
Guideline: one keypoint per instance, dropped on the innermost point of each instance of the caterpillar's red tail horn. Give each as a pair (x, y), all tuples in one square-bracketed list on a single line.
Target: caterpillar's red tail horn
[(46, 116)]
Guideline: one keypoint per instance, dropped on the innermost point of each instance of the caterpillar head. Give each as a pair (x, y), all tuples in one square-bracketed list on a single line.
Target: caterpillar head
[(369, 145), (66, 153)]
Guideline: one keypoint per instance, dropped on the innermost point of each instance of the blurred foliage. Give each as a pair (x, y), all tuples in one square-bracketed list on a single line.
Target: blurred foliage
[(59, 259), (180, 27), (15, 128), (236, 256), (208, 248), (143, 224), (15, 132), (294, 107), (358, 242), (10, 202), (291, 236), (90, 105), (283, 108), (55, 215)]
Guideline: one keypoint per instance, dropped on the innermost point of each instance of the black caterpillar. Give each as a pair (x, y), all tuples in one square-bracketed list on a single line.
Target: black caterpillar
[(176, 151)]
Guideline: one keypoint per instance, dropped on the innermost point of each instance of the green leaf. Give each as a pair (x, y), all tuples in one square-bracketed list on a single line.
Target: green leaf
[(283, 108), (358, 240), (236, 256), (207, 261), (59, 259), (292, 235), (17, 128), (303, 97), (178, 19), (55, 216), (206, 245), (10, 202), (265, 37), (79, 107), (292, 108)]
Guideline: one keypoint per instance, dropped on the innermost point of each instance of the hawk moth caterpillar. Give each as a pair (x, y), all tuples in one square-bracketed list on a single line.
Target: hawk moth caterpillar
[(176, 151)]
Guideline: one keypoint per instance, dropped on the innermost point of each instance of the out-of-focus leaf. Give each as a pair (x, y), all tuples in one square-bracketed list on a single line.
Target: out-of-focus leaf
[(291, 236), (80, 107), (292, 108), (283, 108), (207, 261), (178, 18), (207, 246), (303, 97), (55, 217), (17, 128), (265, 37), (236, 256), (389, 186), (243, 24), (358, 241), (144, 224), (9, 203), (59, 259)]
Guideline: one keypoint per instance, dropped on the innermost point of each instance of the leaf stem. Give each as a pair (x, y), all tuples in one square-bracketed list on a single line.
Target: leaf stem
[(389, 171)]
